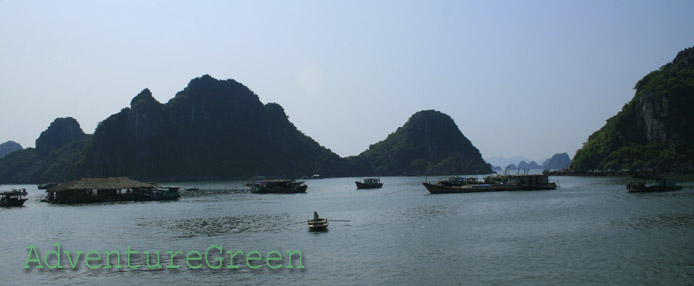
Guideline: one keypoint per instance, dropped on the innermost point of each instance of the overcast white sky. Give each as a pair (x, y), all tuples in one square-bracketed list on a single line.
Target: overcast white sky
[(529, 78)]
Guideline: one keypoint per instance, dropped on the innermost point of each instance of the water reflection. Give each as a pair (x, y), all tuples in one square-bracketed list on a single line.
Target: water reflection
[(213, 226)]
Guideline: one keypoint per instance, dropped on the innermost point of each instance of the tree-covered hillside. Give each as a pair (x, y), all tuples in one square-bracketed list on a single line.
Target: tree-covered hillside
[(429, 143), (654, 131)]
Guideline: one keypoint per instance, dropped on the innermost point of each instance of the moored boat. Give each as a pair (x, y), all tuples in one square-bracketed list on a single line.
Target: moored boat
[(163, 193), (369, 183), (660, 184), (499, 184), (13, 198), (46, 186), (318, 224), (277, 187)]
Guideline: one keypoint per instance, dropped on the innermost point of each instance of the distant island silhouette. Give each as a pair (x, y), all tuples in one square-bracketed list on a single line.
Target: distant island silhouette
[(219, 129)]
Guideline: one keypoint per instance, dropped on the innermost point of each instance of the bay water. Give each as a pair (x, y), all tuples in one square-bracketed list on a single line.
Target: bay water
[(589, 231)]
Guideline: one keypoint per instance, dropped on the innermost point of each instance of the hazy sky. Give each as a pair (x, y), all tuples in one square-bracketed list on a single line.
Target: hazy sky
[(528, 78)]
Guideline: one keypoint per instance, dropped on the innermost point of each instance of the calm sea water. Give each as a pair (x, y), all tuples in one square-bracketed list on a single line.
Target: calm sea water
[(589, 231)]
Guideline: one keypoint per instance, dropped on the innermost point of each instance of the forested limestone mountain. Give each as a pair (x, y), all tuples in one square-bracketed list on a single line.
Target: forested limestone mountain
[(219, 129), (558, 161), (528, 166), (9, 147), (429, 143), (654, 131), (211, 129), (59, 154)]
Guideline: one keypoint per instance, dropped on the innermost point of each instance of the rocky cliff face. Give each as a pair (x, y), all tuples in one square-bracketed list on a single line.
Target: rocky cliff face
[(652, 111), (663, 101), (654, 131)]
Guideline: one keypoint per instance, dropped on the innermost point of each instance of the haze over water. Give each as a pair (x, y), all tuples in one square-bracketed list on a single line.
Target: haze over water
[(589, 231)]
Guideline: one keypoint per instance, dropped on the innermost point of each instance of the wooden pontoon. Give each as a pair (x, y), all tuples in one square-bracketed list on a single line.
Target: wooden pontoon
[(95, 190)]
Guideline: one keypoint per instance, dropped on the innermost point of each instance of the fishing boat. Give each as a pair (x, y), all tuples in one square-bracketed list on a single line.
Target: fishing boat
[(192, 189), (163, 193), (498, 184), (318, 224), (459, 181), (660, 184), (277, 187), (13, 198), (369, 183)]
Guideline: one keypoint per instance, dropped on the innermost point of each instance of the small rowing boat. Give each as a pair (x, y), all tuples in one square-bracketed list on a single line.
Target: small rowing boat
[(318, 224)]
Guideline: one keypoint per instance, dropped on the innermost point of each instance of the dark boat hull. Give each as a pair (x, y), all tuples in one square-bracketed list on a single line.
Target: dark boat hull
[(653, 189), (279, 190), (361, 185), (152, 197), (13, 203), (476, 188)]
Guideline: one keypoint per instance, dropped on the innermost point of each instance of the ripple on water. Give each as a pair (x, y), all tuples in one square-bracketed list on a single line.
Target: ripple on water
[(211, 192), (659, 221), (423, 212), (213, 226)]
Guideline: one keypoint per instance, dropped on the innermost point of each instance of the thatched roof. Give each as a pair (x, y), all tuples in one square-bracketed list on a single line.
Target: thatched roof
[(101, 184)]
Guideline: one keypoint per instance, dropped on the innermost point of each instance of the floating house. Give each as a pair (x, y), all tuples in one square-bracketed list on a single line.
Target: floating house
[(496, 184), (93, 190)]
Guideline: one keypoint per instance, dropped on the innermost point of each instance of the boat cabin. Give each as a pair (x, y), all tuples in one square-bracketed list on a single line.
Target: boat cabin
[(13, 198), (527, 179)]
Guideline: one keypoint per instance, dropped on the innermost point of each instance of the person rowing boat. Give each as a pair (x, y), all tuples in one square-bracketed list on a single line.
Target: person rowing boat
[(317, 223)]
